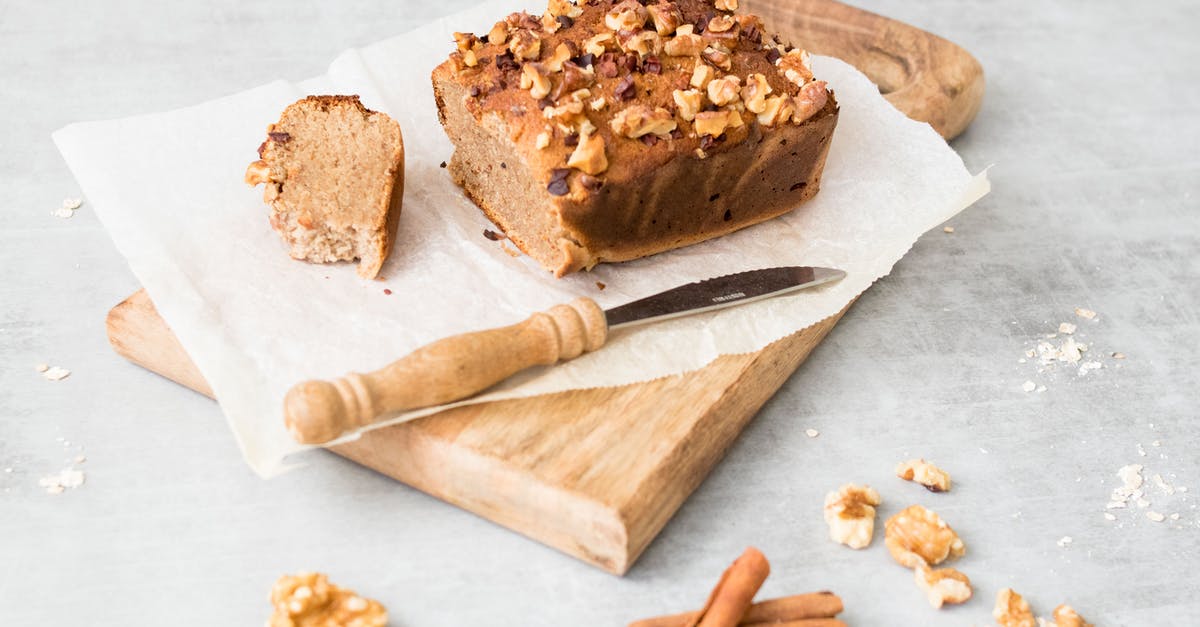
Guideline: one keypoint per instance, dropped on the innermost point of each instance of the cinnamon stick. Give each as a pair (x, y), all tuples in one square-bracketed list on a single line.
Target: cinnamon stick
[(815, 607), (734, 592)]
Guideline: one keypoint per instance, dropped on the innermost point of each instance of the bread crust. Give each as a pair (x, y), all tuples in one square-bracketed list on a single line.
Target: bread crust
[(658, 192)]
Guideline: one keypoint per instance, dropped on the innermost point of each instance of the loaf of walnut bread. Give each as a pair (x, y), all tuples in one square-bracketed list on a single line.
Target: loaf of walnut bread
[(333, 173), (606, 131)]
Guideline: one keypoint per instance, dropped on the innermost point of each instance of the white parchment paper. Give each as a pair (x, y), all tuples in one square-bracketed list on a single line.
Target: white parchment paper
[(168, 187)]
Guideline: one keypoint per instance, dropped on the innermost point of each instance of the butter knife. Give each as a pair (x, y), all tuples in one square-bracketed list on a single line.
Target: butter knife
[(460, 366)]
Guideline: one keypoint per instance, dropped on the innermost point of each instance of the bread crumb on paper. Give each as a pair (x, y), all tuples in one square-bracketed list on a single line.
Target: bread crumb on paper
[(55, 373)]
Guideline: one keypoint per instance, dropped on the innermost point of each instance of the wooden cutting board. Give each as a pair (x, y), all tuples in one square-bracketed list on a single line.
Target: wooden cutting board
[(597, 473)]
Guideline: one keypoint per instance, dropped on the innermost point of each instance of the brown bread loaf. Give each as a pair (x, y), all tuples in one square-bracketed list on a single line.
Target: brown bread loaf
[(607, 131)]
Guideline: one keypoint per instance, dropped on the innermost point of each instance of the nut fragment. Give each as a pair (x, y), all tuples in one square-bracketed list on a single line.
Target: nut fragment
[(589, 155), (638, 120), (701, 76), (723, 91), (850, 514), (644, 43), (1011, 610), (754, 94), (561, 55), (944, 585), (920, 471), (719, 58), (684, 44), (258, 172), (1066, 616), (796, 66), (689, 102), (727, 5), (714, 123), (666, 17), (810, 100), (525, 45), (499, 34), (598, 44), (309, 600), (542, 140), (628, 15), (564, 8), (777, 110), (535, 80), (918, 536), (721, 24)]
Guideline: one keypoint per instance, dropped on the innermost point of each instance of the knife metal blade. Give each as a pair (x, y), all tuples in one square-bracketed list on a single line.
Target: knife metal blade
[(720, 292)]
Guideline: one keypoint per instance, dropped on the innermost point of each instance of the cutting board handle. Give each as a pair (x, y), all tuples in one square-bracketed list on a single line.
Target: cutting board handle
[(447, 370)]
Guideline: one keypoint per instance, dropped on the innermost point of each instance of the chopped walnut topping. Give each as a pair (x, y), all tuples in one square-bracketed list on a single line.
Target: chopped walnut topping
[(534, 78), (919, 536), (810, 100), (944, 585), (598, 104), (754, 94), (701, 76), (543, 140), (666, 17), (257, 173), (727, 5), (722, 91), (684, 44), (850, 514), (777, 110), (1011, 610), (499, 34), (719, 58), (561, 55), (574, 80), (525, 45), (1066, 616), (565, 8), (589, 155), (309, 600), (597, 45), (721, 24), (796, 66), (644, 43), (920, 471), (638, 120), (628, 15), (466, 41), (714, 123), (689, 102), (567, 115)]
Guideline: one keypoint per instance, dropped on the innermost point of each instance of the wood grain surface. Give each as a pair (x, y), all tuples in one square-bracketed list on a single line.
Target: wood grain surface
[(598, 473)]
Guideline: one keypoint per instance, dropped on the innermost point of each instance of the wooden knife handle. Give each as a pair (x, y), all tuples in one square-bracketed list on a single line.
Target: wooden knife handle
[(447, 370)]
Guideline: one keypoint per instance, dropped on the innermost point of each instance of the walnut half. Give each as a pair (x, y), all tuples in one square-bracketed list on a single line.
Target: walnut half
[(309, 600), (1066, 616), (917, 536), (638, 120), (850, 514), (942, 586)]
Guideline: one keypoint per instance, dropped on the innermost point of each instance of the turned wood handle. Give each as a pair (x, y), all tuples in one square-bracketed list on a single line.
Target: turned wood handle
[(446, 370)]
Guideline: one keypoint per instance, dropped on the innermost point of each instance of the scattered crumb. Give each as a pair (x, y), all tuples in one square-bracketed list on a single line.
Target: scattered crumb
[(1174, 516), (812, 433), (55, 373), (1066, 328), (948, 229), (1141, 451), (494, 236), (387, 292), (1118, 355), (1085, 313), (1065, 541), (1088, 366), (442, 164), (600, 285), (72, 204), (1108, 516), (1029, 386), (1155, 516), (57, 483), (41, 367), (79, 459), (511, 252)]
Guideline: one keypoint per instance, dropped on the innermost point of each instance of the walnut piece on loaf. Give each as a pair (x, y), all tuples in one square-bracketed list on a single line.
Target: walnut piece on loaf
[(605, 130), (309, 600), (333, 173)]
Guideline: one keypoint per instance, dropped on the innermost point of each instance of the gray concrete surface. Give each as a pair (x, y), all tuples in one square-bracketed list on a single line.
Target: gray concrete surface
[(1091, 126)]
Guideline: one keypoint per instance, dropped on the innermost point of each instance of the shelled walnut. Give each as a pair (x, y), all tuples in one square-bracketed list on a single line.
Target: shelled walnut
[(920, 471), (942, 586), (1011, 610), (309, 600), (917, 536), (850, 514)]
